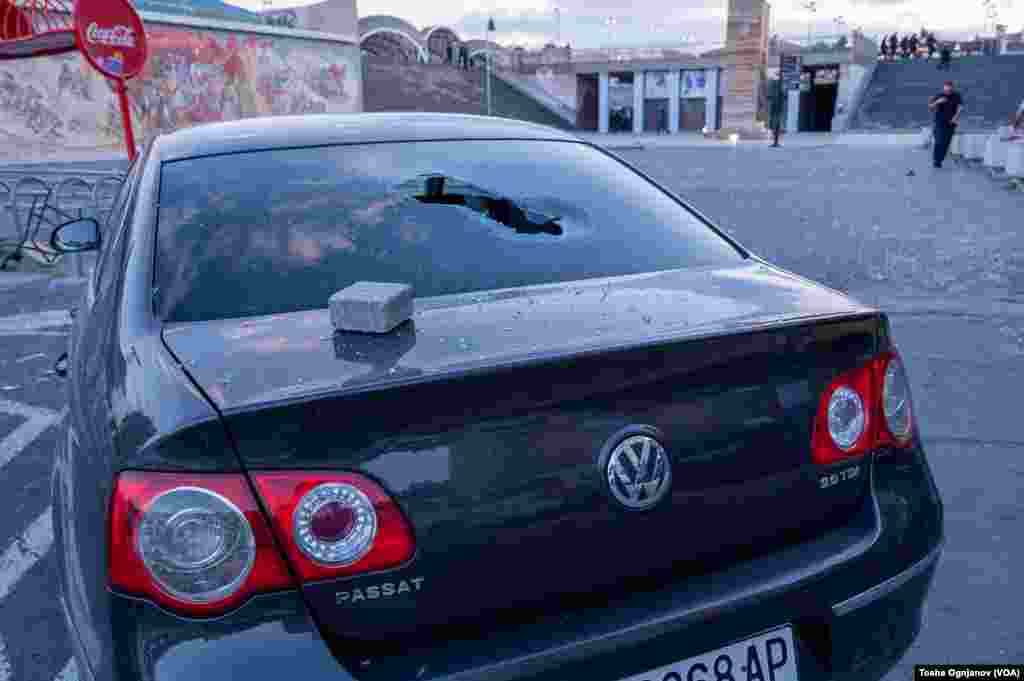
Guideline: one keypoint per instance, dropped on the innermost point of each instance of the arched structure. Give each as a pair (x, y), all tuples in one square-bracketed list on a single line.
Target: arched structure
[(383, 35), (438, 38), (387, 36)]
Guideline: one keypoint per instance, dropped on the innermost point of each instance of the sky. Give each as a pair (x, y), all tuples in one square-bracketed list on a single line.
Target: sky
[(695, 25)]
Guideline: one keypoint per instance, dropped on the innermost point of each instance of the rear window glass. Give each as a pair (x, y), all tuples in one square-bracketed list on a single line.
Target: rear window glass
[(278, 231)]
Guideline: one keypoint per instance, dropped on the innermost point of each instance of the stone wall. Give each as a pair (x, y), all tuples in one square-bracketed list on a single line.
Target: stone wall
[(557, 59), (198, 71)]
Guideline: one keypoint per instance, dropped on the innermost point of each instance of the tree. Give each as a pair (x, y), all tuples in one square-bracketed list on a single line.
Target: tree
[(841, 44)]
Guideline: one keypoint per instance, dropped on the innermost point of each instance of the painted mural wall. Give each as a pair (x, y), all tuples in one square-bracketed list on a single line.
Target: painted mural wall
[(193, 76)]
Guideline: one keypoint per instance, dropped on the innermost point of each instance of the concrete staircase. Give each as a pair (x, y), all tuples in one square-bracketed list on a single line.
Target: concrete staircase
[(896, 99), (390, 86)]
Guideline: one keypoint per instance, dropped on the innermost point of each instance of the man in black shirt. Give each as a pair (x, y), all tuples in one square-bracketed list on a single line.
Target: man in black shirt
[(947, 108)]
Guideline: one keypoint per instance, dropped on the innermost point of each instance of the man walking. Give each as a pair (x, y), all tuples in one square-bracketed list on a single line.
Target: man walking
[(947, 108), (893, 44)]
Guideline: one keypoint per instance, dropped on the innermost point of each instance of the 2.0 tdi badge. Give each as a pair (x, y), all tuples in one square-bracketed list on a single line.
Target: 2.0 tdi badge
[(638, 472)]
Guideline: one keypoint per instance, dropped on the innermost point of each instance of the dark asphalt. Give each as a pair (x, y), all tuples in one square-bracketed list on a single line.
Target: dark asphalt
[(941, 250)]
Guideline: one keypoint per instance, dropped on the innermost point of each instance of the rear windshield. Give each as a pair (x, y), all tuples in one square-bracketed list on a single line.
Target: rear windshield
[(278, 231)]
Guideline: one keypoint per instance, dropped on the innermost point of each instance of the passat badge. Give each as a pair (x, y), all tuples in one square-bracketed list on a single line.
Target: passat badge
[(377, 591), (638, 472)]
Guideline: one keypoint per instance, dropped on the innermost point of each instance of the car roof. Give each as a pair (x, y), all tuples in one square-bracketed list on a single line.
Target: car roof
[(275, 132)]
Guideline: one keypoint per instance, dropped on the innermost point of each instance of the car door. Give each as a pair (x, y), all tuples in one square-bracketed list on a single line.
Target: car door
[(86, 463)]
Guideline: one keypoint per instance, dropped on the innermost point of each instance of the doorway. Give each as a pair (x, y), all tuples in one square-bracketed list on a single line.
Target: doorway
[(824, 106), (586, 102), (620, 101), (656, 115), (692, 113), (819, 91)]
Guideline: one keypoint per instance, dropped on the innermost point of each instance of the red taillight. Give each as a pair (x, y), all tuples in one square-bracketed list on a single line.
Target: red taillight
[(862, 409), (335, 524), (197, 544), (896, 423)]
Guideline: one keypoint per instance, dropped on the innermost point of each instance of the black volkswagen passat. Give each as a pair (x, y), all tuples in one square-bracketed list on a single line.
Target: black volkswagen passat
[(607, 443)]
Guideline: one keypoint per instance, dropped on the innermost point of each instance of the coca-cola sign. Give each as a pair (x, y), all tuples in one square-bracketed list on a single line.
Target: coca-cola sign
[(111, 36), (114, 36)]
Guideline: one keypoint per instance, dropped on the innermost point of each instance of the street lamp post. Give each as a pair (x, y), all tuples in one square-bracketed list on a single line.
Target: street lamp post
[(610, 23), (777, 103), (811, 6), (993, 16), (488, 55)]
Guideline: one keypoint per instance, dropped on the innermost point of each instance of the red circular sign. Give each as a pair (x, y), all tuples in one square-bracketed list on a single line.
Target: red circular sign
[(111, 36)]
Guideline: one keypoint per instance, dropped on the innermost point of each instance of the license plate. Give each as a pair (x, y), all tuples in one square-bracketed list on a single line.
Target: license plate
[(766, 657)]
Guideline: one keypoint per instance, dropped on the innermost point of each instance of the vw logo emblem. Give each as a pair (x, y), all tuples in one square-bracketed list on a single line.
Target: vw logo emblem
[(638, 472)]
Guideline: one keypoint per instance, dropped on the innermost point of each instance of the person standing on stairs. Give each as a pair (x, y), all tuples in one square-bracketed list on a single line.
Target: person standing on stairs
[(893, 44), (947, 107)]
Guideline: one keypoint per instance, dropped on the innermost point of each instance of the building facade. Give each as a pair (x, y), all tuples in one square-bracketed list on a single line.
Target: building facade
[(652, 97)]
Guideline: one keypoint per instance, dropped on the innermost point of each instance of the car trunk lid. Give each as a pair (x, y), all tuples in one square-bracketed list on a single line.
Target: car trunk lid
[(486, 418)]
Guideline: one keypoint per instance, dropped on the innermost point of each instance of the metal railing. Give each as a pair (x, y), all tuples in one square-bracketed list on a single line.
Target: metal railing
[(33, 204)]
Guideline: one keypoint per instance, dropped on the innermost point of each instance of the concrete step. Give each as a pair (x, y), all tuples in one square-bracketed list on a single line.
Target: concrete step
[(896, 98)]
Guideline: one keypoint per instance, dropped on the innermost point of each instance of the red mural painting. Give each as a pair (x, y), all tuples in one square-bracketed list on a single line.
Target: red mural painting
[(191, 76)]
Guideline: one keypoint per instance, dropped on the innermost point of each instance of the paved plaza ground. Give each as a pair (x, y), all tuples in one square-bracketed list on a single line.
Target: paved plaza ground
[(941, 250)]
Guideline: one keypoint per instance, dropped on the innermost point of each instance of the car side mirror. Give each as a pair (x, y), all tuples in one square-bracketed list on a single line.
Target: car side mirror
[(77, 236)]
